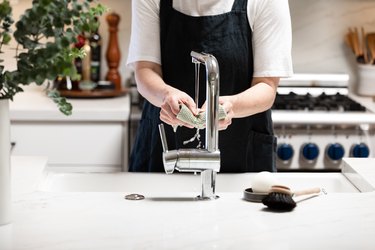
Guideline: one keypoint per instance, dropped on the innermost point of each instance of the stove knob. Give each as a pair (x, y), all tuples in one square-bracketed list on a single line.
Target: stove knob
[(360, 150), (335, 151), (285, 151), (310, 151)]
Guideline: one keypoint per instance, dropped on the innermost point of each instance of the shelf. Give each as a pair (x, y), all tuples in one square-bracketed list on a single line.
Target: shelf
[(85, 94)]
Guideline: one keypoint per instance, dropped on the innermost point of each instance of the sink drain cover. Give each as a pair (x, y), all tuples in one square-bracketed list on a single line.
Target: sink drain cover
[(134, 197)]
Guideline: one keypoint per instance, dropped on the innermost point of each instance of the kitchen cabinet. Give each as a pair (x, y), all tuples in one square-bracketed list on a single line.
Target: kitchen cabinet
[(94, 138), (73, 144)]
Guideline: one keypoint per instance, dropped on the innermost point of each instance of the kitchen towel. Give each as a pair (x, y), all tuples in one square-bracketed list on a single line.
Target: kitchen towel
[(199, 120)]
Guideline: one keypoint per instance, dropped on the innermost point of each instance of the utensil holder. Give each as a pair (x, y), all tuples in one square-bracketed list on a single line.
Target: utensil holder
[(366, 80)]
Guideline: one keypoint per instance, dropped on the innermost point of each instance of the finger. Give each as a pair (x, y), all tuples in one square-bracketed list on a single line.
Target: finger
[(186, 125), (190, 104), (172, 104), (165, 119), (224, 123), (174, 108), (171, 119), (168, 117), (167, 110), (174, 122)]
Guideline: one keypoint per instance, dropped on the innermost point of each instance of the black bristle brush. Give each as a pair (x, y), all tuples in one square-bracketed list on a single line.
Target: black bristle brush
[(281, 198)]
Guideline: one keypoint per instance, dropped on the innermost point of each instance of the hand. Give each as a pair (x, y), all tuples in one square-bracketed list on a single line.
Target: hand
[(171, 107), (226, 102)]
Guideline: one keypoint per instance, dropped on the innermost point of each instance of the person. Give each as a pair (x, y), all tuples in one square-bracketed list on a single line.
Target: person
[(251, 40)]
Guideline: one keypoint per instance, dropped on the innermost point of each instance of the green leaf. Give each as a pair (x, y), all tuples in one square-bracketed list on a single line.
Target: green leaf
[(6, 38), (46, 32)]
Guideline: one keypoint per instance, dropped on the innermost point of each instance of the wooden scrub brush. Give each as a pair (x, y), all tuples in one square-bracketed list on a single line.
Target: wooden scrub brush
[(281, 197)]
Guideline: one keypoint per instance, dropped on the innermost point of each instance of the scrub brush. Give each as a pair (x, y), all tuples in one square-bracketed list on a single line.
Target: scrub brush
[(281, 197)]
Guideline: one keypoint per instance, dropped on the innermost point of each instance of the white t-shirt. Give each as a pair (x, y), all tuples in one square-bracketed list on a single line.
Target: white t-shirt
[(269, 20)]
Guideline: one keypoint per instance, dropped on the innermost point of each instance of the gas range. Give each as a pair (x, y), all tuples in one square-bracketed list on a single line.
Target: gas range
[(318, 123), (316, 99)]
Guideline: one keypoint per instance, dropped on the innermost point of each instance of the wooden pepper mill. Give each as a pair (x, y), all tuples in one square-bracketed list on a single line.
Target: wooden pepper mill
[(113, 54)]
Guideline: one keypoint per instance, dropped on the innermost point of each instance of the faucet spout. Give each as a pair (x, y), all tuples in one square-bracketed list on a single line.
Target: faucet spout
[(212, 98)]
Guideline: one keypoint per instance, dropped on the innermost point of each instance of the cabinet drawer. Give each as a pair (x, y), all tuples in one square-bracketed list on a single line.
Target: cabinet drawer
[(70, 143)]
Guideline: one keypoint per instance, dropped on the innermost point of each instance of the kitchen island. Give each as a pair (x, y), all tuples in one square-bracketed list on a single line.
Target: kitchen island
[(48, 219)]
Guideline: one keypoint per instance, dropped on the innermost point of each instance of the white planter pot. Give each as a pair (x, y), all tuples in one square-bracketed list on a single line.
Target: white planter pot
[(5, 186)]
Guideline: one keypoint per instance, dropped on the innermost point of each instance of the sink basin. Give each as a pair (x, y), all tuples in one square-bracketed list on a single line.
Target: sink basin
[(184, 182)]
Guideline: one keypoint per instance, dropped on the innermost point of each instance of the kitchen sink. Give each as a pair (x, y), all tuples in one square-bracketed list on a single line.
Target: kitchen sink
[(184, 182)]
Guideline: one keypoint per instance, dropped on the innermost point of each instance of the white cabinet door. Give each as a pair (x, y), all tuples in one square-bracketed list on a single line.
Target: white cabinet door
[(79, 143)]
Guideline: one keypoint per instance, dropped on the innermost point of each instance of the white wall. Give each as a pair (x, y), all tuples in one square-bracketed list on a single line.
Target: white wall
[(318, 30), (319, 27)]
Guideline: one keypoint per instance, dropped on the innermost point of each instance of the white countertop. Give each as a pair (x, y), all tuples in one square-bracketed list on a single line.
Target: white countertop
[(34, 105), (368, 102), (105, 220)]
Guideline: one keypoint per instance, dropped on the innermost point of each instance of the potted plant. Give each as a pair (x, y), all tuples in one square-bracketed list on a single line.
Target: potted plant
[(44, 35)]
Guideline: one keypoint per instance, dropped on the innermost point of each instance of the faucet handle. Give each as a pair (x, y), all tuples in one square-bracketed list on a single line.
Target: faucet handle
[(169, 157), (163, 138)]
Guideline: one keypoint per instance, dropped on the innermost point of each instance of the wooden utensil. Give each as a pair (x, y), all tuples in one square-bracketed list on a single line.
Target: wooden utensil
[(359, 47), (370, 39), (364, 45), (353, 41)]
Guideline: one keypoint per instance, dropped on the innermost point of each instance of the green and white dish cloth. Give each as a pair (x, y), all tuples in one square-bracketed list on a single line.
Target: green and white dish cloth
[(199, 120)]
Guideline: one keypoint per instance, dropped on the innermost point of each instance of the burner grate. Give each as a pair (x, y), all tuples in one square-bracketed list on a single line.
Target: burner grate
[(323, 102)]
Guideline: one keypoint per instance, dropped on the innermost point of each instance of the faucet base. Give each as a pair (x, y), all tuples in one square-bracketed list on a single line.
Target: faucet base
[(201, 198), (208, 178)]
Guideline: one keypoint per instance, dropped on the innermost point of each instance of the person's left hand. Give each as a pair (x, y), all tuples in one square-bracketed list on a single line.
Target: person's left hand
[(226, 102)]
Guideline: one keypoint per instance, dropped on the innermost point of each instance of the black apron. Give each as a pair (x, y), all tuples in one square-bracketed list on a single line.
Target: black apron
[(248, 144)]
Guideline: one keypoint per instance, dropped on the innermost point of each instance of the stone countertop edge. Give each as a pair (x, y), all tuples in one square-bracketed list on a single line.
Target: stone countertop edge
[(360, 172)]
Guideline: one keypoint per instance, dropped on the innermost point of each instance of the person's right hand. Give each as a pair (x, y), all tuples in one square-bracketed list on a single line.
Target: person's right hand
[(171, 106)]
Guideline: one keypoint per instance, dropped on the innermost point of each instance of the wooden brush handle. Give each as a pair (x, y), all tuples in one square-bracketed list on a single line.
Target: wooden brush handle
[(286, 190), (280, 189), (314, 190)]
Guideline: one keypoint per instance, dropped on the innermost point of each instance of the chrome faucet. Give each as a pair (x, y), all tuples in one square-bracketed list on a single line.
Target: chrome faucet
[(207, 160)]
